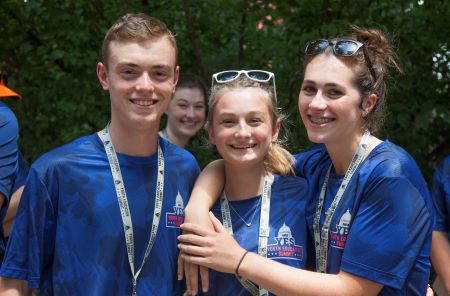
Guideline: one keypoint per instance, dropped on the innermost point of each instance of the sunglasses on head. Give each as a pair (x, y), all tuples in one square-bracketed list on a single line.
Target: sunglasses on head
[(255, 75), (345, 48)]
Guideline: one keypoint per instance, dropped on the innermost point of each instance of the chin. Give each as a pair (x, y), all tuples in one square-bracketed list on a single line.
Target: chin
[(316, 138), (187, 133)]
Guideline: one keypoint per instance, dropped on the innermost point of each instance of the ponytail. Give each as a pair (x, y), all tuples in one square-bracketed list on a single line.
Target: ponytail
[(278, 160)]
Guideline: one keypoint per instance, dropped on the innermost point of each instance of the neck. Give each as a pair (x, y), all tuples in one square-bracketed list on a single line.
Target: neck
[(243, 183), (133, 142), (341, 154), (178, 140)]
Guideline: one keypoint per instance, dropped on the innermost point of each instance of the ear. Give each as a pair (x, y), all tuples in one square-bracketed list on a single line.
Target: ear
[(102, 75), (175, 78), (211, 135), (369, 104), (276, 130)]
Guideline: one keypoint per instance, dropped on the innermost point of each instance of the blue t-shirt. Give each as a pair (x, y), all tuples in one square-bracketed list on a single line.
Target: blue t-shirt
[(381, 229), (22, 172), (13, 168), (441, 196), (68, 236), (9, 151), (287, 236)]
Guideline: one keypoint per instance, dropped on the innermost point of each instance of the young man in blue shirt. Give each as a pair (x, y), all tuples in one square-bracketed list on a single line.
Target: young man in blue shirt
[(100, 215)]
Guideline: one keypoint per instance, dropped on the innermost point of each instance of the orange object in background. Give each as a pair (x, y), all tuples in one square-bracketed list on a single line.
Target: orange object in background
[(6, 92)]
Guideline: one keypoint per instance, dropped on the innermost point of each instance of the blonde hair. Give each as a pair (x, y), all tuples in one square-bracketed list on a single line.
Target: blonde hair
[(277, 160)]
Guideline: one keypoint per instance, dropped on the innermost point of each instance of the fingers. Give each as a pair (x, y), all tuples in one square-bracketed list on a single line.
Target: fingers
[(194, 250), (187, 274), (193, 278), (204, 275), (196, 229), (194, 259), (193, 239), (218, 227), (180, 268)]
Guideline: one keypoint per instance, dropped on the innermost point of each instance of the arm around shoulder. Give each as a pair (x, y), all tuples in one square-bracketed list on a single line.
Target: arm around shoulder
[(206, 190)]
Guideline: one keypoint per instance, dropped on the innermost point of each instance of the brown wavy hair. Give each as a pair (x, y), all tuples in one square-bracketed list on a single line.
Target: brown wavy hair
[(383, 58)]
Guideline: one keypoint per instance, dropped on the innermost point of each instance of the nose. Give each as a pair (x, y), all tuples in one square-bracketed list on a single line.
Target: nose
[(318, 101), (190, 112), (243, 131), (144, 83)]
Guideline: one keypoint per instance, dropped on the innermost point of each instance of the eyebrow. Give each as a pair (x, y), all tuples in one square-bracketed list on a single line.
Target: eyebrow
[(134, 65), (127, 64), (329, 84), (251, 113)]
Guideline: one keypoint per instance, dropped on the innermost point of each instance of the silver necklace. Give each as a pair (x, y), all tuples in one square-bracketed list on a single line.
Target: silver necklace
[(253, 216)]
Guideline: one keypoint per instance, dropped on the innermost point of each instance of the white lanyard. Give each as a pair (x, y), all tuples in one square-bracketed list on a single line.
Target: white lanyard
[(321, 236), (263, 230), (123, 203)]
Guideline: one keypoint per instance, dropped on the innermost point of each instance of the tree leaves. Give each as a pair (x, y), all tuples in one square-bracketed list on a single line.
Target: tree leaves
[(49, 52)]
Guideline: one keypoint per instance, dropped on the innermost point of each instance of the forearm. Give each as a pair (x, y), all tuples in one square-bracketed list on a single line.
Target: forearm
[(2, 199), (13, 287), (207, 189), (282, 279), (12, 210), (440, 257), (218, 250)]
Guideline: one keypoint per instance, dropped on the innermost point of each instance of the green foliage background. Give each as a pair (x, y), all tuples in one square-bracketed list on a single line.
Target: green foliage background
[(49, 51)]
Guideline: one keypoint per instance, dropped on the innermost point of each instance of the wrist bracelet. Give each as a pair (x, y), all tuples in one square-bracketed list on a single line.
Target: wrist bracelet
[(239, 264)]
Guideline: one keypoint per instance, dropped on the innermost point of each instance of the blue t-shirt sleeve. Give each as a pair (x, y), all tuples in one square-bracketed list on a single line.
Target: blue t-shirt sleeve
[(307, 162), (32, 240), (440, 193), (388, 232), (9, 133)]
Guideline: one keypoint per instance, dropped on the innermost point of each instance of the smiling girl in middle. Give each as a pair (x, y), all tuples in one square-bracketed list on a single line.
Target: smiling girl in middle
[(262, 204)]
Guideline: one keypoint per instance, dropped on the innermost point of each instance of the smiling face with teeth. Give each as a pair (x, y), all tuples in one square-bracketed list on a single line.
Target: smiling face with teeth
[(186, 112), (140, 78), (242, 128), (329, 102)]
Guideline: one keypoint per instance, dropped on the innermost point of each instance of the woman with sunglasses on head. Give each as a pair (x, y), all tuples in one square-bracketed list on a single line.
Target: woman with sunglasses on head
[(370, 211), (260, 191)]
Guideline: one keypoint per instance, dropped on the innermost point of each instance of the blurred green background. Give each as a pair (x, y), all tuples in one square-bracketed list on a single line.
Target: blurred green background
[(49, 51)]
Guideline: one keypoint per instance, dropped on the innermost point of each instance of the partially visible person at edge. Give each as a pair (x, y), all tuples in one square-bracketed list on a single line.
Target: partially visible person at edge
[(13, 167), (186, 111), (101, 215), (243, 124), (376, 239), (440, 248)]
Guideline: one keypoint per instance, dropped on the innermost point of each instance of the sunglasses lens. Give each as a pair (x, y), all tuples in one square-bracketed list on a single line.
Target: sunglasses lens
[(227, 76), (316, 47), (258, 75), (346, 47)]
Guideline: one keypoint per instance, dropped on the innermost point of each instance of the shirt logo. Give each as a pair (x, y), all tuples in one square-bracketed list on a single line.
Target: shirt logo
[(284, 246), (339, 236), (175, 219)]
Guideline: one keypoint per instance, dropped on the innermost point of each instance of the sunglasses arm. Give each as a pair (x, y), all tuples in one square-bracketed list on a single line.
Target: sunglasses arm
[(275, 90)]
